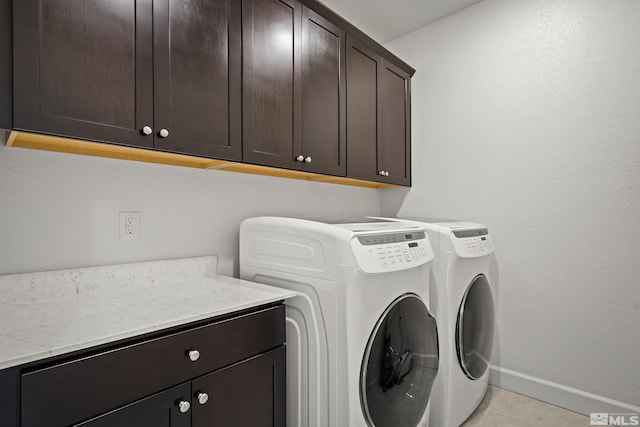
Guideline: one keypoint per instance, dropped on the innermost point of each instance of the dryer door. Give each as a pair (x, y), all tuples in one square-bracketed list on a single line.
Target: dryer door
[(475, 328), (400, 365)]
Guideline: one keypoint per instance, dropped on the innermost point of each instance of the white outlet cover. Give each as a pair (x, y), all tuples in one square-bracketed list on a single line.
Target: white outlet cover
[(129, 225)]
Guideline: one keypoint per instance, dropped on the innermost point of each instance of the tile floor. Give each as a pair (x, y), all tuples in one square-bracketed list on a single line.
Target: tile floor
[(502, 408)]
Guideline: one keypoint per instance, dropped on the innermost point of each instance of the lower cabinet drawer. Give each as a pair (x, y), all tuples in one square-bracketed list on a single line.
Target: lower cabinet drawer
[(70, 392)]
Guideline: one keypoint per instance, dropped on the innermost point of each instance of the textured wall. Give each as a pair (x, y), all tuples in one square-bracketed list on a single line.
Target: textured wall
[(526, 117), (60, 211)]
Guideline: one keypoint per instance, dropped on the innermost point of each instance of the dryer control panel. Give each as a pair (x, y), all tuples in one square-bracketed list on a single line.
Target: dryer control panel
[(381, 253), (472, 243)]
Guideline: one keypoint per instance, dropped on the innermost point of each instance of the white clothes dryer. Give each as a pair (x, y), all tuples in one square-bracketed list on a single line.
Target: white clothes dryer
[(463, 305), (362, 345)]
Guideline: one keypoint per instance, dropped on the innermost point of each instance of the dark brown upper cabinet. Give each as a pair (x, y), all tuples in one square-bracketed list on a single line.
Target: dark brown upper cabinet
[(324, 112), (378, 117), (396, 124), (162, 74), (6, 66), (272, 84), (281, 83), (294, 88), (197, 79), (84, 69)]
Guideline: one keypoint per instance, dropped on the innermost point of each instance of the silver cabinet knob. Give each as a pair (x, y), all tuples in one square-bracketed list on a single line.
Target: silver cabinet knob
[(184, 406), (147, 130), (163, 133), (202, 398), (300, 158), (193, 355), (381, 173), (386, 173), (307, 159)]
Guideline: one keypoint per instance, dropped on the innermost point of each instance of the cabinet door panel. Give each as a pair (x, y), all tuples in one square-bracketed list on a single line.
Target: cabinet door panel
[(247, 394), (197, 48), (271, 98), (323, 95), (159, 410), (363, 113), (396, 124), (83, 68)]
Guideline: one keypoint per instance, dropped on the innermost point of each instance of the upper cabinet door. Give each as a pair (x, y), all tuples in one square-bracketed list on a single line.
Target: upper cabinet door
[(364, 125), (378, 117), (396, 124), (84, 69), (323, 95), (197, 56), (272, 85)]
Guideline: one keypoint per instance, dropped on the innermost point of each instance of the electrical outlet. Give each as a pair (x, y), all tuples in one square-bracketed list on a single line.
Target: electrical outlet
[(129, 225)]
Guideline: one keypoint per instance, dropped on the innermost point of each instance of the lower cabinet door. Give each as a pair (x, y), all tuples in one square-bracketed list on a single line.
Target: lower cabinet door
[(248, 394), (159, 410)]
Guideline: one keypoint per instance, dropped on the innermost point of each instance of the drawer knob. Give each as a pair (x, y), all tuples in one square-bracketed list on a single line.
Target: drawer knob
[(147, 130), (164, 133), (202, 398), (184, 406), (307, 159), (193, 355), (300, 158)]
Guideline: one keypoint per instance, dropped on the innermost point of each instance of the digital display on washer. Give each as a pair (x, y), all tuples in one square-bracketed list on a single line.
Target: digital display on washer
[(356, 220), (381, 239), (461, 234)]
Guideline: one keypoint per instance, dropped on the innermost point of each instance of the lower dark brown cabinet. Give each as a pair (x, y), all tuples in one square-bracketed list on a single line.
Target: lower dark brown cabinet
[(247, 394), (226, 371)]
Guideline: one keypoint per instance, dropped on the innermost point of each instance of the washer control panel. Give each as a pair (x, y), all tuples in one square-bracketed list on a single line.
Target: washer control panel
[(472, 243), (379, 253)]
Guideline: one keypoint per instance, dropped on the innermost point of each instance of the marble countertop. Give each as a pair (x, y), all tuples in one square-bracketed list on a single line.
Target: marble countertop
[(51, 313)]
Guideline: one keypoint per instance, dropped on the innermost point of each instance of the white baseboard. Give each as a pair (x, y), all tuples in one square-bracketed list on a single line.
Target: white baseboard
[(556, 394)]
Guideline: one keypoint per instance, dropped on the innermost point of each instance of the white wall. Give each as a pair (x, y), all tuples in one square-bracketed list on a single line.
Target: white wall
[(61, 211), (526, 117)]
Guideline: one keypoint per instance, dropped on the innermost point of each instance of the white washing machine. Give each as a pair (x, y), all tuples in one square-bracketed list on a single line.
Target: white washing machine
[(463, 304), (362, 345)]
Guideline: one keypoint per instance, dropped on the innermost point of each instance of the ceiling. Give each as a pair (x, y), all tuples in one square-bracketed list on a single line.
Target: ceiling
[(385, 20)]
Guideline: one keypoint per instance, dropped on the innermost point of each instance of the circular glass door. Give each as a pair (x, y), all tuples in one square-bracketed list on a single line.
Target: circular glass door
[(475, 328), (399, 365)]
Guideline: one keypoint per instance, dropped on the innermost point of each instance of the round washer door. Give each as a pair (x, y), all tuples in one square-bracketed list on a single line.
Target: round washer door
[(475, 328), (399, 365)]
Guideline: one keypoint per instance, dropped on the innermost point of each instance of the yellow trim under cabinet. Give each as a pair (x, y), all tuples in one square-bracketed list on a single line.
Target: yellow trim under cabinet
[(74, 146)]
